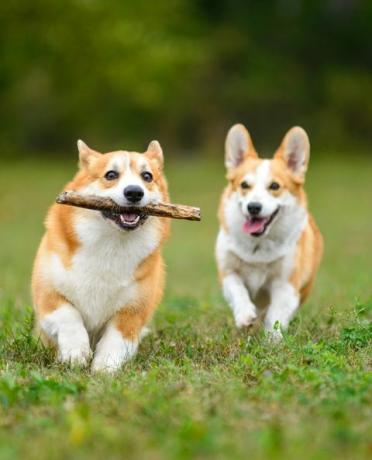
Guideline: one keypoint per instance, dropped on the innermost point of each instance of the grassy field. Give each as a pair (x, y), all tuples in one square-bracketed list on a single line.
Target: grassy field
[(198, 388)]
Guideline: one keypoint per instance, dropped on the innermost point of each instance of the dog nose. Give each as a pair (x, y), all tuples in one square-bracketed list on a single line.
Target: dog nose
[(133, 193), (254, 208)]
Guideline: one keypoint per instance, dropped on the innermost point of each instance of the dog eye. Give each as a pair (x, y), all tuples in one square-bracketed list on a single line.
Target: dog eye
[(274, 186), (111, 175), (146, 176), (245, 184)]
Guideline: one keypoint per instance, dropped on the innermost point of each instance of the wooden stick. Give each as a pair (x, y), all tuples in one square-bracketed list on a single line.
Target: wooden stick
[(175, 211)]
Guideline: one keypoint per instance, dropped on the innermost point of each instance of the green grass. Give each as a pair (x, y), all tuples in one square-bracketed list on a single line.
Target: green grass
[(198, 388)]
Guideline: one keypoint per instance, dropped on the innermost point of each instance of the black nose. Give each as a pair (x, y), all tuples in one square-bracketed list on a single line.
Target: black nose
[(254, 208), (133, 193)]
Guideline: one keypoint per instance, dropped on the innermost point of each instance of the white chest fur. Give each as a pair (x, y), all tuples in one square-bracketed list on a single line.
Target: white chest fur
[(100, 280), (259, 261)]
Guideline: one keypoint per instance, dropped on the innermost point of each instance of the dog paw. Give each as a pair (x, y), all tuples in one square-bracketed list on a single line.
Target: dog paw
[(75, 356), (106, 363), (110, 359), (112, 351), (245, 319), (274, 336)]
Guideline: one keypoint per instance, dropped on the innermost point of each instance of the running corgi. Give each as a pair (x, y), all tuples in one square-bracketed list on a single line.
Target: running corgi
[(268, 248), (98, 277)]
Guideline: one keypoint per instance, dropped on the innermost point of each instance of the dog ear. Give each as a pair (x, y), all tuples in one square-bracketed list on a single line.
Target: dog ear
[(86, 154), (238, 146), (155, 152), (295, 151)]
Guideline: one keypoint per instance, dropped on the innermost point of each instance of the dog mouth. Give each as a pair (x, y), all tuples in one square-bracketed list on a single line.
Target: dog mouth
[(257, 226), (125, 221)]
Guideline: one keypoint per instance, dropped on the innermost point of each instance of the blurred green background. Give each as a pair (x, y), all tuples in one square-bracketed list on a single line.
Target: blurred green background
[(118, 73)]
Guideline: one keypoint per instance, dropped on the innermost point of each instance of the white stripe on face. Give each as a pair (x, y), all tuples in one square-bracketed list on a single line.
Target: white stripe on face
[(259, 181), (121, 162), (130, 176), (127, 177)]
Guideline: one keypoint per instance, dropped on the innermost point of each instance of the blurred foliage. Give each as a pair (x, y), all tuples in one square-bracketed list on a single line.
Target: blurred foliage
[(119, 73)]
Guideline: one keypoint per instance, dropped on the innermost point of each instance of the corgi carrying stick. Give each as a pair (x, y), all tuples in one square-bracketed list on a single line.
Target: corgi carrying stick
[(98, 276), (175, 211), (268, 248)]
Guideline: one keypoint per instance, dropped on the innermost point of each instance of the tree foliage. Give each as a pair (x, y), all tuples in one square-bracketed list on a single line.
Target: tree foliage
[(119, 73)]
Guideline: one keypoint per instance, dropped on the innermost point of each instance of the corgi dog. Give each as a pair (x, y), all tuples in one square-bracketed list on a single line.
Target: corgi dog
[(269, 247), (98, 277)]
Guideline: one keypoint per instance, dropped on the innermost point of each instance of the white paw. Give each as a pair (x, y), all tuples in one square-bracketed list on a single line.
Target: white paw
[(274, 335), (108, 363), (112, 351), (76, 355), (245, 318), (111, 361)]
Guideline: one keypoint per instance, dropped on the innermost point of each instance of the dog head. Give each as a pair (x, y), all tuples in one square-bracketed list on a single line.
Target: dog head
[(265, 190), (128, 178)]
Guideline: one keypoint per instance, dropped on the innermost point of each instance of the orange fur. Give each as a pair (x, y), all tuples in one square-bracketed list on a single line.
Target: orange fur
[(308, 256), (151, 277)]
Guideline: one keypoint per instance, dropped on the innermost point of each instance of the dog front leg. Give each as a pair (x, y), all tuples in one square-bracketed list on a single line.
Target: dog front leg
[(236, 295), (284, 303), (64, 327), (120, 340)]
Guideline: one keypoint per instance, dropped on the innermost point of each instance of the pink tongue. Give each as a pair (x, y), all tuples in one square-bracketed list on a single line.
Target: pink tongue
[(129, 217), (254, 225)]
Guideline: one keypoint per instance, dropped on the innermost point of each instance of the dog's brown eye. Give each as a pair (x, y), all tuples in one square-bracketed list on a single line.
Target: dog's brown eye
[(274, 186), (146, 176), (111, 175), (244, 184)]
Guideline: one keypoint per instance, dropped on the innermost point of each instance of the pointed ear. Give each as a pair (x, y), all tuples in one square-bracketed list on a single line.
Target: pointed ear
[(238, 146), (295, 151), (155, 152), (86, 154)]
